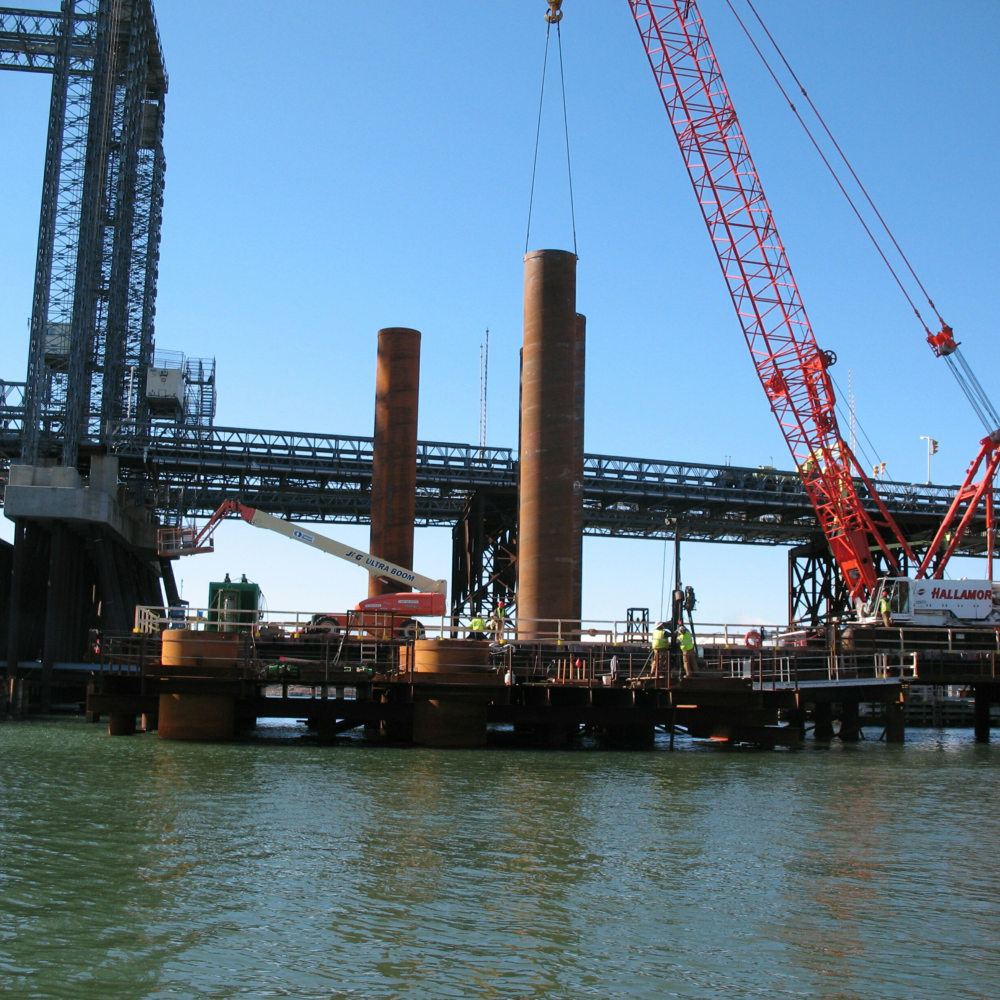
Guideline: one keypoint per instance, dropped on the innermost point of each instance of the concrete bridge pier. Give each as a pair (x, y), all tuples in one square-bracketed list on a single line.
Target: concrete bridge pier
[(80, 561)]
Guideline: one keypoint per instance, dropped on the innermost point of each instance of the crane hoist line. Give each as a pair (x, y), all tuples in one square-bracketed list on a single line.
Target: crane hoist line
[(790, 364)]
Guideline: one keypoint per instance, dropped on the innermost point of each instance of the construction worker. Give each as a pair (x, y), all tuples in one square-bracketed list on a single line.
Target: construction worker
[(885, 610), (686, 642), (477, 628), (660, 643), (498, 622)]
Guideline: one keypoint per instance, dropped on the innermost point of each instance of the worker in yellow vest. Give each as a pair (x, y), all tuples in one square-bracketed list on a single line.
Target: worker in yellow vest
[(477, 628), (660, 642), (686, 642), (498, 623)]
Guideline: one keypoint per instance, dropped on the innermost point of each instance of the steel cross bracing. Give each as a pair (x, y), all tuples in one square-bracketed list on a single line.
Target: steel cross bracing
[(99, 232), (185, 471)]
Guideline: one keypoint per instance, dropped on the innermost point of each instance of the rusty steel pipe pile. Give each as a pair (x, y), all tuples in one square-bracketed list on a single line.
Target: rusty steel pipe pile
[(549, 521), (394, 458)]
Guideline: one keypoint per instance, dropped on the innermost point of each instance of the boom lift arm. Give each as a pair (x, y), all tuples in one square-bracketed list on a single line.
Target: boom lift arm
[(185, 541)]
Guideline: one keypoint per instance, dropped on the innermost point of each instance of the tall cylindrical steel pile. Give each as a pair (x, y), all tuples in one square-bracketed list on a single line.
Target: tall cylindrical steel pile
[(579, 382), (394, 465), (549, 521)]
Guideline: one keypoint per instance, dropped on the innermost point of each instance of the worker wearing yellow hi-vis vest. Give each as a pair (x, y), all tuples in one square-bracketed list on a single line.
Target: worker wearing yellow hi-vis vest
[(498, 623), (686, 642), (885, 610), (477, 628), (659, 642)]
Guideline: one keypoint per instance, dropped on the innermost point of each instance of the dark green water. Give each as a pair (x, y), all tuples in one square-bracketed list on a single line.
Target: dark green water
[(274, 868)]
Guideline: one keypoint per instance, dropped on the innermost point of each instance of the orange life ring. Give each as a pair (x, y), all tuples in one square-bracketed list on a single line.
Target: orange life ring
[(752, 639)]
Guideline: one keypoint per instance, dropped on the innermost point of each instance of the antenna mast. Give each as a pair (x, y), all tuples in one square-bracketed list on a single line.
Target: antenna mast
[(484, 378)]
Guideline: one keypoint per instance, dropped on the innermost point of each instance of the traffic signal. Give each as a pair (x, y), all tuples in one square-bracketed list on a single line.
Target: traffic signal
[(879, 470), (934, 445)]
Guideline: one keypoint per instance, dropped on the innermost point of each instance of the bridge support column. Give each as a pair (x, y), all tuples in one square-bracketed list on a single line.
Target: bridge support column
[(796, 719), (64, 606), (484, 548), (197, 717), (28, 588), (454, 721), (895, 722), (121, 724), (823, 721), (850, 721)]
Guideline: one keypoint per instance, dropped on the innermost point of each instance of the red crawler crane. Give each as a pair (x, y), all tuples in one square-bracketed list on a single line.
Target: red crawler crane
[(790, 364)]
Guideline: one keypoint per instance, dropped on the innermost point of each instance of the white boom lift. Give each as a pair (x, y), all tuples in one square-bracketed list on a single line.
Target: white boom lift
[(188, 541)]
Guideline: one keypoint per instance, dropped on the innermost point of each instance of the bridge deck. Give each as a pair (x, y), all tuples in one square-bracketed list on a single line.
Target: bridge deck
[(188, 471)]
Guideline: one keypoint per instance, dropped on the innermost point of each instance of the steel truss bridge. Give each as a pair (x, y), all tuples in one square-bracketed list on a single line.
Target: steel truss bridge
[(92, 325), (188, 471), (185, 471)]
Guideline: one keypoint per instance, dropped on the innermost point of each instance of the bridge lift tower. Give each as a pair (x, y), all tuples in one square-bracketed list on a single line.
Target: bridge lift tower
[(91, 323)]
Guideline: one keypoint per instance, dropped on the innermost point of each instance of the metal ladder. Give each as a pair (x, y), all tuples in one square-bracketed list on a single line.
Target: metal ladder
[(369, 654)]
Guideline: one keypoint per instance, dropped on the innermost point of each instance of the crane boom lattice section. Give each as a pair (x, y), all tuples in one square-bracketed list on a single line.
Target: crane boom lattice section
[(790, 364)]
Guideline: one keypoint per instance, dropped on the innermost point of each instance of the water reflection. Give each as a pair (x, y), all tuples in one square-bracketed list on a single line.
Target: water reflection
[(276, 867)]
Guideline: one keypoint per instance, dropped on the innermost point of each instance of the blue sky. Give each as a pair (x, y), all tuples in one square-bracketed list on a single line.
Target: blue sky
[(334, 168)]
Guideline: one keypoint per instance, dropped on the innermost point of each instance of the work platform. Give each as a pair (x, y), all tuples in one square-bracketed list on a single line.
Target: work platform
[(592, 680), (596, 677)]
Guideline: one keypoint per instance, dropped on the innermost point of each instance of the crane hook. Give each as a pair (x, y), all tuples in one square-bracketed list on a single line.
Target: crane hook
[(554, 14)]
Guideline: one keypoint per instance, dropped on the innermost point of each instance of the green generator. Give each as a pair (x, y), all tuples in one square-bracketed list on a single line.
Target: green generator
[(233, 607)]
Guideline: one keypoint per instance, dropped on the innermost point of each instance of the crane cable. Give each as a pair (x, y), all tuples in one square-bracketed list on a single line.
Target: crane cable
[(553, 16), (943, 344)]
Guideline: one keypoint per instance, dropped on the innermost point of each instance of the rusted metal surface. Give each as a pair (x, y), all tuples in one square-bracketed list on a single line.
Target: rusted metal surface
[(548, 521), (579, 394), (394, 462)]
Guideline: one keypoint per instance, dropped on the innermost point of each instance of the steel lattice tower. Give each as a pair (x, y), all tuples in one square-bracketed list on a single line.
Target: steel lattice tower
[(99, 233)]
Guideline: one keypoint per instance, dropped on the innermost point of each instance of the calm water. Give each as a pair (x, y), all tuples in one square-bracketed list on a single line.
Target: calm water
[(276, 868)]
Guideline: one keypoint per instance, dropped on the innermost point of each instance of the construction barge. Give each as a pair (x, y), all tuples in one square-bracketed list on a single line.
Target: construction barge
[(452, 690)]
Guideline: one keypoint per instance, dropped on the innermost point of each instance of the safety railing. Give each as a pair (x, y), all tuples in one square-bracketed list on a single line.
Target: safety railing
[(327, 660), (776, 668), (286, 644), (151, 619)]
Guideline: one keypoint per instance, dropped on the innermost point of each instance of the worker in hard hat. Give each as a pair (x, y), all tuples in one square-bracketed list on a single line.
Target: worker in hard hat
[(498, 622), (477, 628), (659, 642), (685, 640), (885, 610)]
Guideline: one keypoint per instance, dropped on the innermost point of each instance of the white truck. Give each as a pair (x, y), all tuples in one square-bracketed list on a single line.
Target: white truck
[(942, 603)]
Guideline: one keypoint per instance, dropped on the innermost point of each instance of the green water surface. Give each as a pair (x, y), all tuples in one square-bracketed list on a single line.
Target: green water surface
[(277, 867)]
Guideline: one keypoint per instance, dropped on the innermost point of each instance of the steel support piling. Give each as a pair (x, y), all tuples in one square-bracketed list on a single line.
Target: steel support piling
[(548, 521), (394, 456)]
